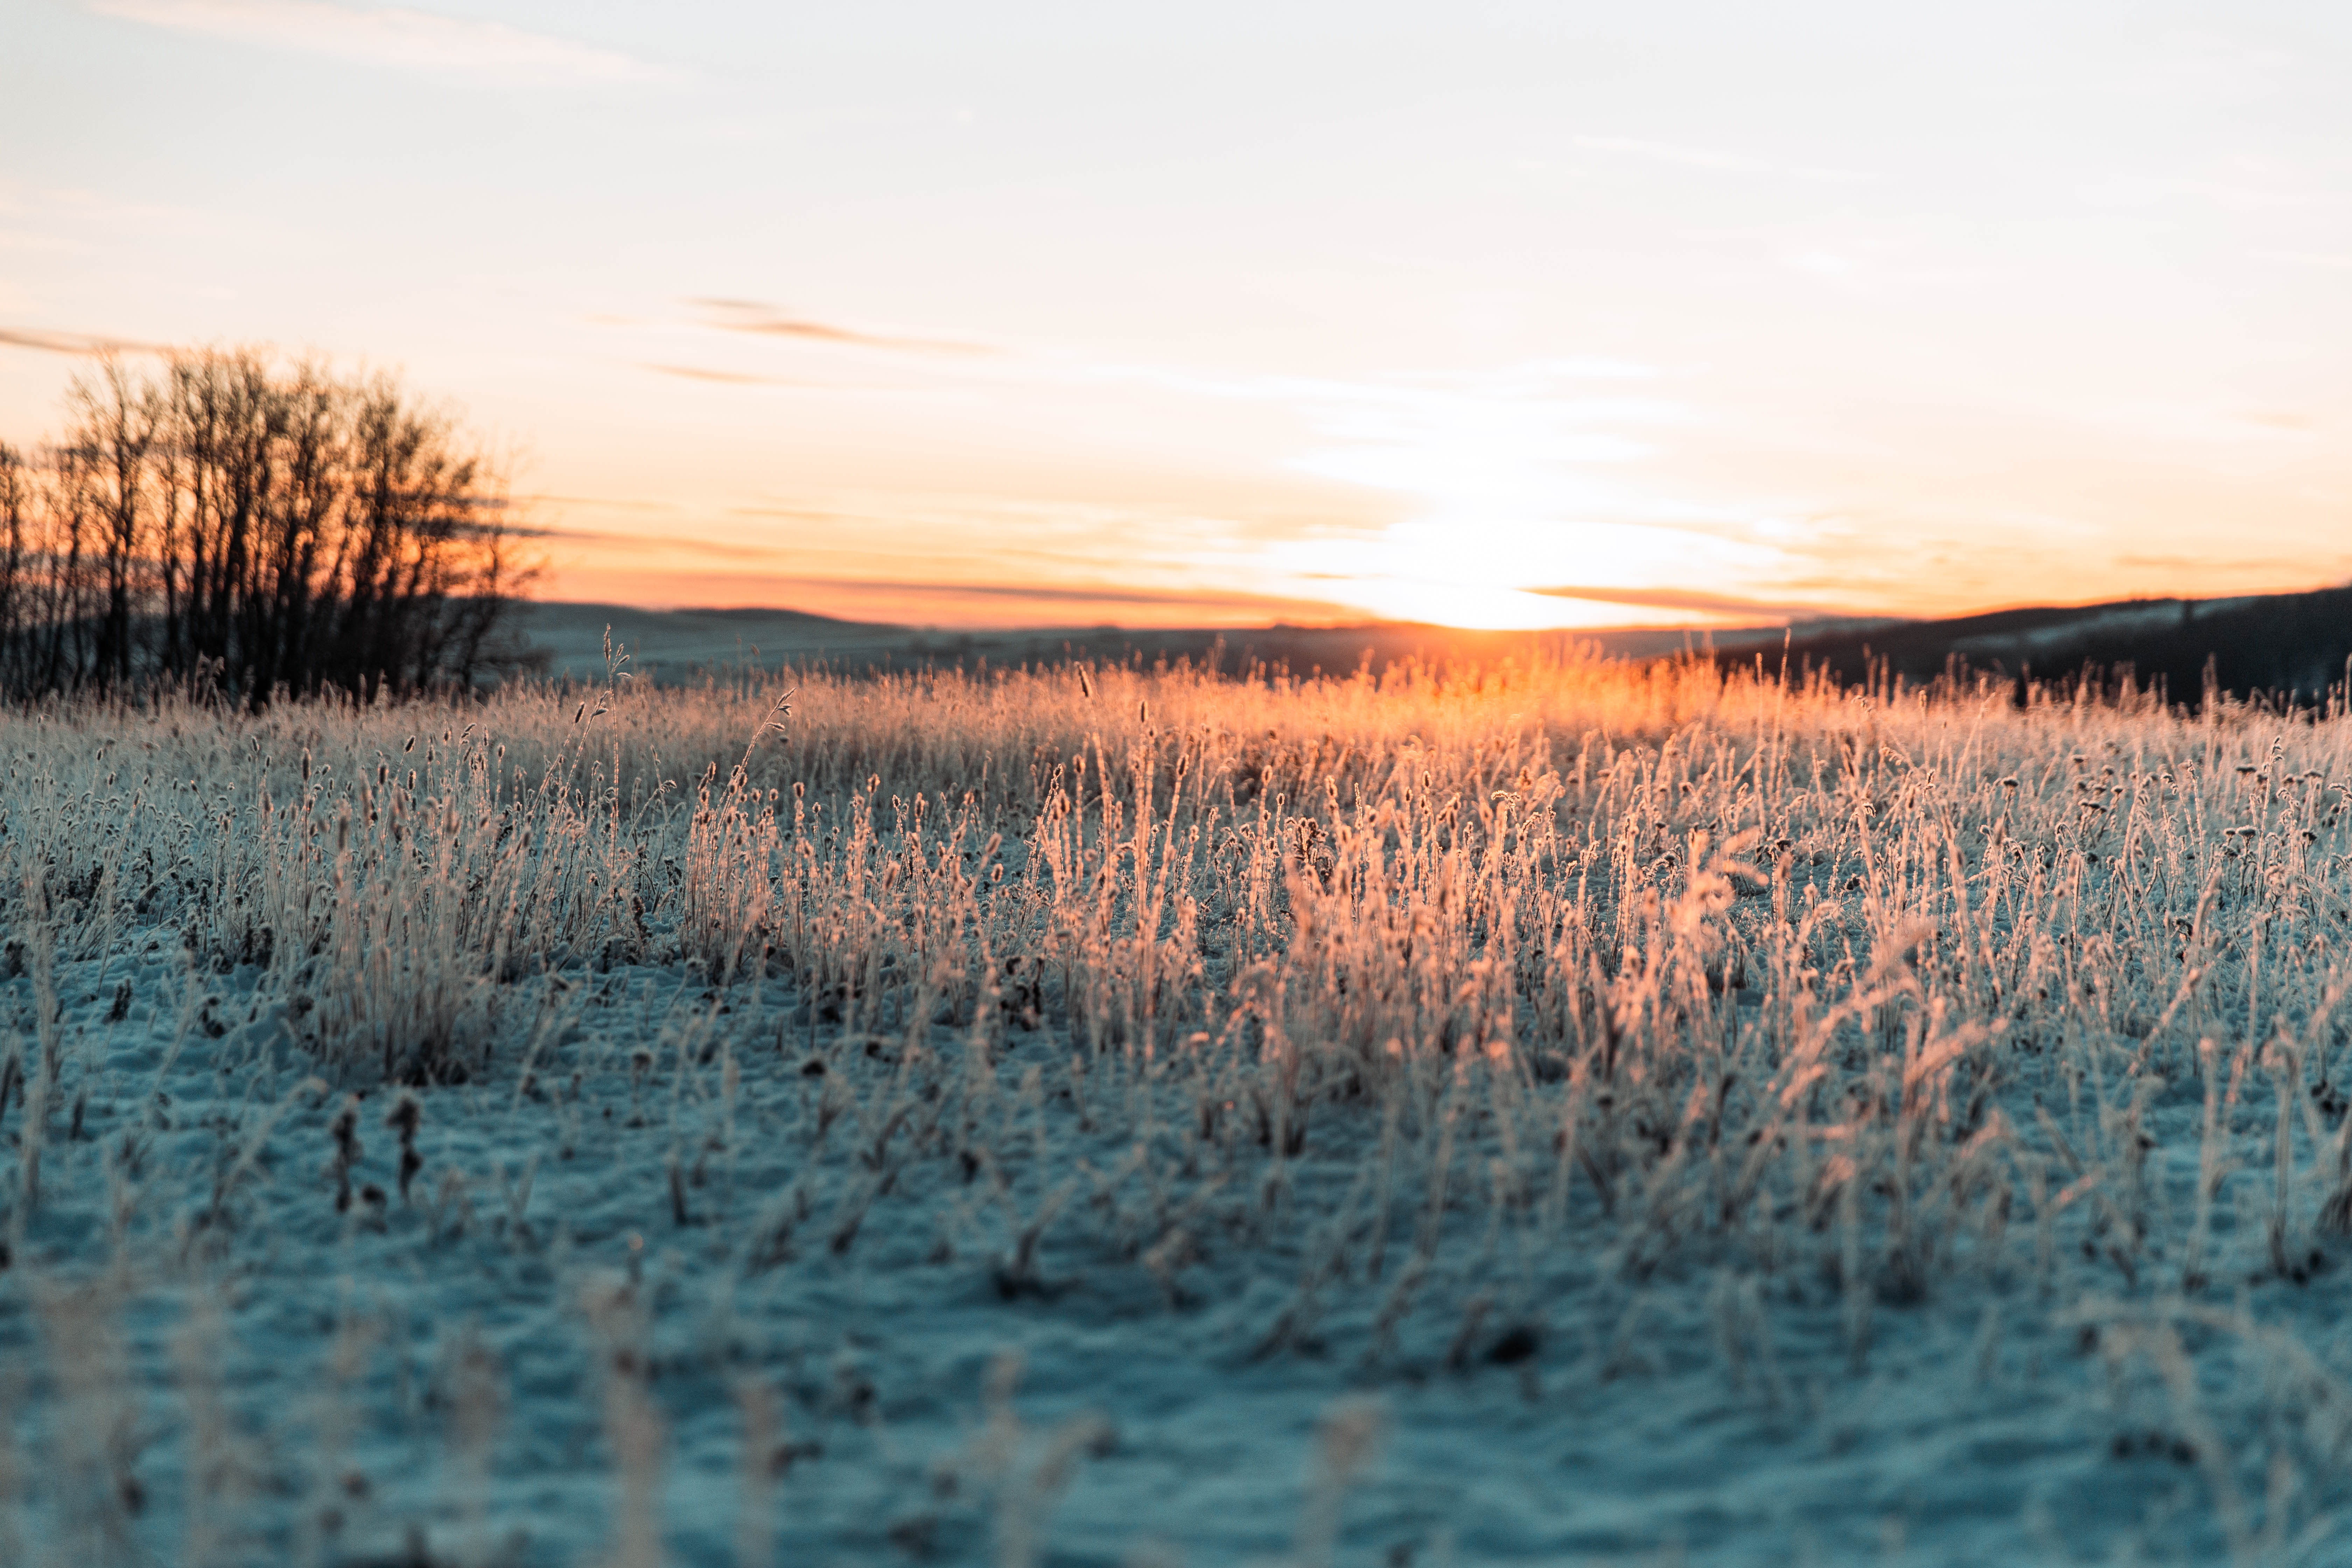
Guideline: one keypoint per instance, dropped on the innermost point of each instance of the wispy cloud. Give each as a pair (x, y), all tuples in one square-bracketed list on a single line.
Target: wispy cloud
[(791, 513), (80, 344), (768, 320), (2270, 568), (664, 543), (602, 503), (723, 377), (1066, 594), (393, 36), (1000, 604), (1720, 161), (1680, 599)]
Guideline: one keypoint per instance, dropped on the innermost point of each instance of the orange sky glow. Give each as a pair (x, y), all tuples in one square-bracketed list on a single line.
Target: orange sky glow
[(1491, 315)]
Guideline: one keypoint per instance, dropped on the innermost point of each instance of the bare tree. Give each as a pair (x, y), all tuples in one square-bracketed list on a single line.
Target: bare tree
[(19, 512), (272, 527)]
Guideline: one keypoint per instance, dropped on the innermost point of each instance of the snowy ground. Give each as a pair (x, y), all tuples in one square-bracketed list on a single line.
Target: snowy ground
[(1539, 1115), (852, 1290)]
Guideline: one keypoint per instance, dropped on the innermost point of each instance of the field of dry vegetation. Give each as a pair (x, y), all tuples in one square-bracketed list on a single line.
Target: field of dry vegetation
[(1547, 1113)]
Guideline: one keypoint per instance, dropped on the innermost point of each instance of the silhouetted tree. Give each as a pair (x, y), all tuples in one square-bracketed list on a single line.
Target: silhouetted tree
[(270, 527)]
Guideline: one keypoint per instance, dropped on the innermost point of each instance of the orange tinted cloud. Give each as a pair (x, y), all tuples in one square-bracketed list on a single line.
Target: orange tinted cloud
[(664, 543), (724, 377), (767, 321), (934, 602), (1680, 599)]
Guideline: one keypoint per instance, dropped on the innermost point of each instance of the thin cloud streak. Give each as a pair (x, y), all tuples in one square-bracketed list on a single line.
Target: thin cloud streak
[(2270, 568), (1046, 594), (1681, 599), (660, 541), (1062, 594), (766, 321), (607, 503), (723, 377), (88, 345), (909, 601), (795, 514), (394, 37)]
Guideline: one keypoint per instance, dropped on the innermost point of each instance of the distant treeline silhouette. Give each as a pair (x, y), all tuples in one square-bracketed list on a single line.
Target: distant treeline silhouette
[(2282, 648), (257, 527)]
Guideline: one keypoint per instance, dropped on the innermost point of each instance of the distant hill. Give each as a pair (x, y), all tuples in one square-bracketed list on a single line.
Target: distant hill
[(2284, 645), (670, 646), (570, 638), (2278, 643)]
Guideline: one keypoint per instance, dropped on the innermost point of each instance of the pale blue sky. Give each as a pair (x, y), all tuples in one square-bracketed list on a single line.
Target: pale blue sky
[(1227, 311)]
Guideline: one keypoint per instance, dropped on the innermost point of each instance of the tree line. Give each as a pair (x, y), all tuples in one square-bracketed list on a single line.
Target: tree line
[(257, 527)]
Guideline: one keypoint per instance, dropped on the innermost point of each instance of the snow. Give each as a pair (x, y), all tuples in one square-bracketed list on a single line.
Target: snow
[(778, 1270), (1981, 1429)]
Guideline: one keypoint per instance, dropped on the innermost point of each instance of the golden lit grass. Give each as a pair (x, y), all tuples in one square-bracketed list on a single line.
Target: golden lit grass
[(1411, 980)]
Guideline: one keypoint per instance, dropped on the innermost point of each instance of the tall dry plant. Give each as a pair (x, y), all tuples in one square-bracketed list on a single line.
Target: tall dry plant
[(1423, 989)]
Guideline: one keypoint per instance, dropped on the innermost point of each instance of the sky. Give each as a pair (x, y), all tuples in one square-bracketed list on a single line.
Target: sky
[(1501, 315)]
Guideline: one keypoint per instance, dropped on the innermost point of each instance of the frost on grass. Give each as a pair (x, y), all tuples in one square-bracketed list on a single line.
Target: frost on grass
[(1118, 1116)]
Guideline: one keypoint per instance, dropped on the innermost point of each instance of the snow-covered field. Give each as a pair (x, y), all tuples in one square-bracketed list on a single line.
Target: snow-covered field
[(1537, 1115)]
